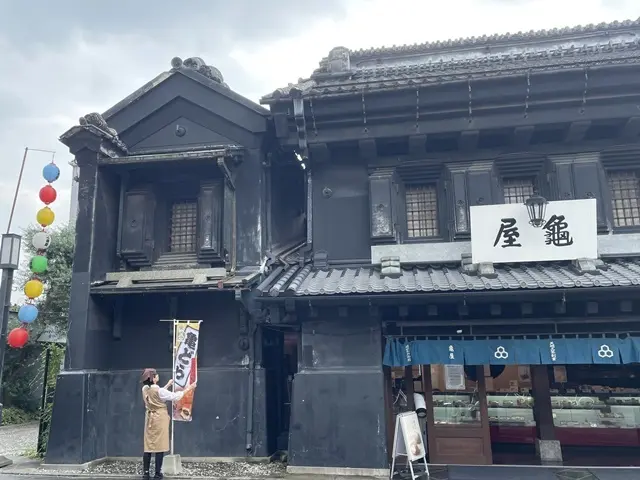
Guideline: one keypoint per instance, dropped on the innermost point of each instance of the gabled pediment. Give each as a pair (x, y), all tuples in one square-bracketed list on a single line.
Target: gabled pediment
[(181, 132), (188, 106)]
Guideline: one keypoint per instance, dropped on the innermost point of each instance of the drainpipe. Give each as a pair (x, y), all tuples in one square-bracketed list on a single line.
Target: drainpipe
[(251, 389)]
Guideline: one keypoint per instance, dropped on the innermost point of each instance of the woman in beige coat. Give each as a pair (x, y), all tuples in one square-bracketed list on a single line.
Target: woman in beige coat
[(157, 420)]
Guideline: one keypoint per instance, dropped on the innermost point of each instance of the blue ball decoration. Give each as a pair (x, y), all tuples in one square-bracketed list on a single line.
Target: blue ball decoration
[(51, 172), (27, 313)]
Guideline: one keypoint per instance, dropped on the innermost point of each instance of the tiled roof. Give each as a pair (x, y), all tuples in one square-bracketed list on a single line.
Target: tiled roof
[(412, 66), (490, 40), (305, 281)]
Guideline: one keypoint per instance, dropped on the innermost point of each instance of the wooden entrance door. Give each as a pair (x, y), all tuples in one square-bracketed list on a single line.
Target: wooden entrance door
[(457, 420)]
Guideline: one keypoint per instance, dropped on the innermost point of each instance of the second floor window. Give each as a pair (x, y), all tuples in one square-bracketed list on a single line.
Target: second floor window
[(517, 190), (183, 227), (625, 197), (422, 211)]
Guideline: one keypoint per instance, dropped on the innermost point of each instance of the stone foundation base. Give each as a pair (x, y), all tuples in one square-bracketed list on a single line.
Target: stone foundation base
[(549, 452), (339, 471)]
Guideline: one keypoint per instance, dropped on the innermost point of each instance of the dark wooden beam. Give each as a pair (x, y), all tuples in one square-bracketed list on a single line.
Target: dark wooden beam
[(281, 124), (468, 140), (394, 127), (367, 148), (417, 145), (522, 136), (319, 152), (592, 308), (631, 128), (577, 131)]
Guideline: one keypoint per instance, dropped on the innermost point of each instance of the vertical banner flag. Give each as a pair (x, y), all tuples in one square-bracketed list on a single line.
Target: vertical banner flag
[(185, 366)]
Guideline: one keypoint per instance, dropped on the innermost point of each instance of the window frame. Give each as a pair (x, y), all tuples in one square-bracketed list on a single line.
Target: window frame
[(440, 212), (168, 193), (611, 207), (169, 225), (506, 179)]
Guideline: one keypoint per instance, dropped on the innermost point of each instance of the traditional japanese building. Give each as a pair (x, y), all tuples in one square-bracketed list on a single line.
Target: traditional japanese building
[(454, 223), (472, 236), (176, 209)]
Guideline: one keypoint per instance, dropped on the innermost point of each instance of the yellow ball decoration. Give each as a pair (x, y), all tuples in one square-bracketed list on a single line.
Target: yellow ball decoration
[(45, 216), (33, 289)]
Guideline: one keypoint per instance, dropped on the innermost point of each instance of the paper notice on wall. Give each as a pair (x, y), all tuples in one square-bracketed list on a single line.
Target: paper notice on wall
[(185, 366), (560, 374), (454, 377)]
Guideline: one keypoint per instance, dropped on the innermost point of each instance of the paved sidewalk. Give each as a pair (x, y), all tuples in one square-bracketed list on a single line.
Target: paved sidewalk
[(15, 440)]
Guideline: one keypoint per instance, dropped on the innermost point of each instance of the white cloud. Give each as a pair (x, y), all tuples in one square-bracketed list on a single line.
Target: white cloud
[(371, 23)]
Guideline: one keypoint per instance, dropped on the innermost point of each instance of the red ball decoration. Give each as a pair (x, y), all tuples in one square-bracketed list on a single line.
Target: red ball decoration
[(18, 337), (48, 194)]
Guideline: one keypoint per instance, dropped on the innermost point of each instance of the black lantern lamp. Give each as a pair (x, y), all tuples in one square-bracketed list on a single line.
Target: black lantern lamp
[(536, 208)]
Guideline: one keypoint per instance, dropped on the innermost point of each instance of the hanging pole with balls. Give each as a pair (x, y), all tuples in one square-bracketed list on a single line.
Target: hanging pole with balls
[(9, 262), (34, 288)]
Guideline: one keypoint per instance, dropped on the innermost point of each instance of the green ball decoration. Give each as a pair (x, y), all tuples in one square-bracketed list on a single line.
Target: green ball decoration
[(39, 264)]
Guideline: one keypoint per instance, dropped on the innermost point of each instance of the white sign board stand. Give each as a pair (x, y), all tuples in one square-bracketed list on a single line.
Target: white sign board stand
[(408, 442)]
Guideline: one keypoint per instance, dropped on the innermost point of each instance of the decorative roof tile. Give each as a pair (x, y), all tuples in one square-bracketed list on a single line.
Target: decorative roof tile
[(307, 281)]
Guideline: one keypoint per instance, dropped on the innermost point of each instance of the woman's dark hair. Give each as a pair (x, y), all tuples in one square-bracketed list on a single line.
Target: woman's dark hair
[(148, 382)]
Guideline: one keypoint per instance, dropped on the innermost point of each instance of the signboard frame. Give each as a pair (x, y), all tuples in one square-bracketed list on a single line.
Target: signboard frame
[(502, 233), (408, 442)]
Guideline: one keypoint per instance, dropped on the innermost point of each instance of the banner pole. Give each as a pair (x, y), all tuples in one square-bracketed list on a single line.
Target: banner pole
[(173, 378)]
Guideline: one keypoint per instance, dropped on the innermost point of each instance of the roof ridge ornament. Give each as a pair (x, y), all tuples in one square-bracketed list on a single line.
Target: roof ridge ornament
[(198, 64), (96, 123)]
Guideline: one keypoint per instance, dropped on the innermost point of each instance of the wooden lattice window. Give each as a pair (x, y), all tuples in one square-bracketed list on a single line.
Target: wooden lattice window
[(517, 190), (625, 197), (422, 211), (183, 227)]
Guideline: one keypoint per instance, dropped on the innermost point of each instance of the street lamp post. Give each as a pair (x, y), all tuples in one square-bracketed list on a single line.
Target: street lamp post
[(9, 262)]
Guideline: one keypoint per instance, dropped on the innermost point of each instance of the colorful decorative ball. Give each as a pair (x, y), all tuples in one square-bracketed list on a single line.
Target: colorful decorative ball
[(18, 337), (33, 289), (48, 194), (51, 172), (45, 216), (39, 264), (41, 240), (27, 313)]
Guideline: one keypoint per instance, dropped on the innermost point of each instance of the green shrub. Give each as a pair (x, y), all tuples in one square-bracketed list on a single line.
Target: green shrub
[(17, 416)]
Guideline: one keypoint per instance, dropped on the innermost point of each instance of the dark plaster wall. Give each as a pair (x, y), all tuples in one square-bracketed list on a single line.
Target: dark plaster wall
[(287, 204), (250, 211), (104, 416), (338, 409), (96, 231), (341, 219), (107, 417), (146, 341)]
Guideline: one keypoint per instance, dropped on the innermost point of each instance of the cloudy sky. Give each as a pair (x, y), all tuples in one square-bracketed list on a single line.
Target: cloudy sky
[(62, 59)]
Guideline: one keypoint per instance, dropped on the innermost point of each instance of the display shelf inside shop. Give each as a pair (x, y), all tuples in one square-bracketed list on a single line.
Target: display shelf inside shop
[(514, 410), (456, 408)]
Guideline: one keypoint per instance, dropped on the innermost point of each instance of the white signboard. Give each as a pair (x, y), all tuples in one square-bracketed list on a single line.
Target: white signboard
[(408, 442), (503, 234)]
